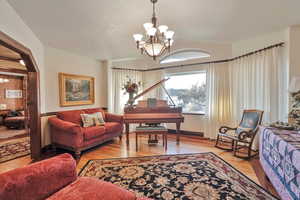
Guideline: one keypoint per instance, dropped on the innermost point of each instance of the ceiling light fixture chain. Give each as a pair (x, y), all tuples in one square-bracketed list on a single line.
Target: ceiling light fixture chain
[(158, 39)]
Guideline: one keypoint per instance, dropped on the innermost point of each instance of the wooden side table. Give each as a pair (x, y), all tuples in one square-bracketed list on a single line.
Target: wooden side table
[(149, 130)]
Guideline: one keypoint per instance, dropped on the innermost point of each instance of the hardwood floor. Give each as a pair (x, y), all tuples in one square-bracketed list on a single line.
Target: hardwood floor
[(188, 144)]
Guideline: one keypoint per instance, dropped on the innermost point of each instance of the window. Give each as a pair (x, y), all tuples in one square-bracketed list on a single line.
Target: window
[(184, 55), (188, 90)]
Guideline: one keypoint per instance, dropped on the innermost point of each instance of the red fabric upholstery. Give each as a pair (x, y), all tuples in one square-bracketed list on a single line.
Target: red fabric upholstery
[(111, 127), (56, 179), (38, 180), (93, 132), (92, 189), (103, 138), (71, 116), (67, 132), (113, 118)]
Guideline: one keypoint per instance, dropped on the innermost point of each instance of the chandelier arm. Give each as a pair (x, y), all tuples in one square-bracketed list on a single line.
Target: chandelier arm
[(153, 51)]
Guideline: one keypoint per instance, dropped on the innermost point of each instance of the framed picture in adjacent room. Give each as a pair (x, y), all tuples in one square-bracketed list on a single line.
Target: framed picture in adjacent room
[(13, 94), (76, 90)]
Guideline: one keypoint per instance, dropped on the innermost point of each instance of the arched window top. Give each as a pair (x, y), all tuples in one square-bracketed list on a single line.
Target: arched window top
[(184, 55)]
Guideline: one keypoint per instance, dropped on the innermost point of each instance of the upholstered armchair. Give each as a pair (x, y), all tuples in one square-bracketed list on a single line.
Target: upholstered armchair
[(241, 137), (56, 179)]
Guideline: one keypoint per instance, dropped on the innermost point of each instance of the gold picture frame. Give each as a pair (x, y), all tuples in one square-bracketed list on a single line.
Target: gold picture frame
[(76, 90)]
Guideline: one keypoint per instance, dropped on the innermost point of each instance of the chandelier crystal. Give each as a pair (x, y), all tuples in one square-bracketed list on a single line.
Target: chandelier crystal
[(158, 39)]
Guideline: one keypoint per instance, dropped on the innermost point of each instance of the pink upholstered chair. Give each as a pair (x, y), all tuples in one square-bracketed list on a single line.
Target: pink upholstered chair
[(56, 179)]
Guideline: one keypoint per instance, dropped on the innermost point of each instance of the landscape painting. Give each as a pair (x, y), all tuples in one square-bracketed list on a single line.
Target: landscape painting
[(76, 89)]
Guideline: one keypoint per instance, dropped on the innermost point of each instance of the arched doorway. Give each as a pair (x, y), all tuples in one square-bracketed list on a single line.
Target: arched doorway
[(33, 85)]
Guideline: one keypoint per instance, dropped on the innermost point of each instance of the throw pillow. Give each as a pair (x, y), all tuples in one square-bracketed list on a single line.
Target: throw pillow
[(95, 119), (98, 119), (87, 120)]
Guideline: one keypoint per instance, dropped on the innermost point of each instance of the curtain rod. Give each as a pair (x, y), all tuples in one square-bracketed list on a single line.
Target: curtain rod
[(203, 63), (128, 69)]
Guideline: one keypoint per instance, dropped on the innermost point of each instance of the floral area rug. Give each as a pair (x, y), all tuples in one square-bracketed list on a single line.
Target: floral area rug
[(14, 148), (202, 176)]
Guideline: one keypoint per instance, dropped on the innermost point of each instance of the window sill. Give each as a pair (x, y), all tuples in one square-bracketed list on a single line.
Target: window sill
[(201, 114)]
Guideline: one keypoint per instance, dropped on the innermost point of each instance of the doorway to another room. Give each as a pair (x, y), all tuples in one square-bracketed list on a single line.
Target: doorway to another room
[(14, 132), (23, 63)]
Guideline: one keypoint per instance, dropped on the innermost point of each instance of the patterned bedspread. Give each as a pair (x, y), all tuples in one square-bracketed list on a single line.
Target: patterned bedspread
[(280, 158)]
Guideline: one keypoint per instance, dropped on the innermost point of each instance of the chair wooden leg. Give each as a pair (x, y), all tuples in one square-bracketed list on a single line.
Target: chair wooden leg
[(120, 137), (235, 143), (77, 154), (219, 138), (250, 149), (166, 142), (217, 141), (136, 142)]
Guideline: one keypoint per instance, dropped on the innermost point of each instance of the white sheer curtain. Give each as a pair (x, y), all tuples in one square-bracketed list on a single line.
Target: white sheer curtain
[(259, 81), (218, 102), (119, 78)]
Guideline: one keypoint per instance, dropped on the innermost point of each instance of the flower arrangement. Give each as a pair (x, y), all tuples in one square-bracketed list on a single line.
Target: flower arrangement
[(131, 88)]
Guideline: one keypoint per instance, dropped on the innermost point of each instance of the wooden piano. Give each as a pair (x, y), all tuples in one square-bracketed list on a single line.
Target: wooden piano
[(152, 111)]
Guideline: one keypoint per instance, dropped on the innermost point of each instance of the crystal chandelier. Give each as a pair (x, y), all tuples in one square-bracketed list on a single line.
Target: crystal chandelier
[(158, 39)]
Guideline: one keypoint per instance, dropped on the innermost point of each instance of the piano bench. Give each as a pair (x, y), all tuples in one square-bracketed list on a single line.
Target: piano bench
[(149, 130)]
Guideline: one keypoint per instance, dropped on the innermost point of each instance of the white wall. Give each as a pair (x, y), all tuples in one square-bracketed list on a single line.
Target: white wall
[(12, 25), (259, 42), (56, 61)]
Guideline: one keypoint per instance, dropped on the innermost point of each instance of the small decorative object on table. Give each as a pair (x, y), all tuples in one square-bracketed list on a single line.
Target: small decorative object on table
[(282, 125), (294, 114), (131, 88)]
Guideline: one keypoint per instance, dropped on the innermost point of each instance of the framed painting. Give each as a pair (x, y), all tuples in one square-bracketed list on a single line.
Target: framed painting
[(76, 90), (13, 94)]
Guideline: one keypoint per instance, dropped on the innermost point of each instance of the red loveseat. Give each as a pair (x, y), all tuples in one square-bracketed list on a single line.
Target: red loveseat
[(67, 131), (56, 179)]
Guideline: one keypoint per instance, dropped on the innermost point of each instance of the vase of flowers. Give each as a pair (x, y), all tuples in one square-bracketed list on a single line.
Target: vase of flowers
[(131, 88)]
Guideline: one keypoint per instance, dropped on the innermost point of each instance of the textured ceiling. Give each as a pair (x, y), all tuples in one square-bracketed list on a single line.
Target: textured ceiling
[(103, 29)]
